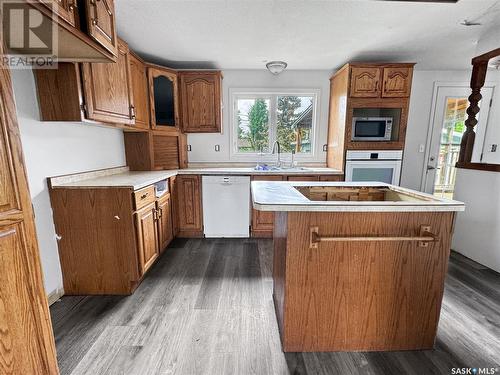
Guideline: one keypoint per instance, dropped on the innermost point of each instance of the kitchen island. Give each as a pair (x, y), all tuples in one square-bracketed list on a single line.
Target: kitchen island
[(357, 266)]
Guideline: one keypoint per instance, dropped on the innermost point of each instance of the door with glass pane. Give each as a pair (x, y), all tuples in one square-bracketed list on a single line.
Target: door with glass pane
[(448, 127)]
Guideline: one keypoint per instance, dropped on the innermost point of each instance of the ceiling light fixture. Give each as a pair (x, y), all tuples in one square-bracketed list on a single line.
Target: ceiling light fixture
[(276, 67)]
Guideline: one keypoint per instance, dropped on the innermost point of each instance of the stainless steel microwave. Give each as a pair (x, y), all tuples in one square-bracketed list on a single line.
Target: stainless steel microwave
[(371, 128)]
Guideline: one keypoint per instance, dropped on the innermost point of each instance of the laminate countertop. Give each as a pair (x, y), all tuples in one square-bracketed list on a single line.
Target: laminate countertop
[(124, 178), (287, 196)]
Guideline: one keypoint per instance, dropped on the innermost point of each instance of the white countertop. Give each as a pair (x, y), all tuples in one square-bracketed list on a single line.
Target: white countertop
[(282, 196), (122, 177)]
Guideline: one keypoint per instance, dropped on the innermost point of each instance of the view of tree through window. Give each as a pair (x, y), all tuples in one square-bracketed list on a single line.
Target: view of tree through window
[(262, 119)]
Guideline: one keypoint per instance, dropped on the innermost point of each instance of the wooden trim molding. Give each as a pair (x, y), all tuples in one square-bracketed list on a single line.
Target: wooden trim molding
[(479, 70)]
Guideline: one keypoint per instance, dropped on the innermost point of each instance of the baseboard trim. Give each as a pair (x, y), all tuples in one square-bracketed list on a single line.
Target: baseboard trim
[(55, 295)]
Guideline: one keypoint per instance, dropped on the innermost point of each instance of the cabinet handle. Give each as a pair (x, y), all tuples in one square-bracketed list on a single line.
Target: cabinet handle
[(132, 112), (155, 214), (424, 238), (160, 213), (144, 196)]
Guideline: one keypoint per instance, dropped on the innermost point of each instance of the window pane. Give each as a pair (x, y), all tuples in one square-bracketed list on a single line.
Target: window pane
[(294, 123), (253, 124)]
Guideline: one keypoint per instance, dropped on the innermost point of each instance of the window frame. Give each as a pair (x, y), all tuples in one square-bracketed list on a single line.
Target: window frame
[(266, 93)]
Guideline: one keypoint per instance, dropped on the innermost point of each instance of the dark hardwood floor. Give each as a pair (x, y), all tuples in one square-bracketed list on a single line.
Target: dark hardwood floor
[(206, 308)]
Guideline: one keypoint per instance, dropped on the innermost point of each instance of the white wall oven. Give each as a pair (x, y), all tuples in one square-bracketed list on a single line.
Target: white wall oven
[(379, 166)]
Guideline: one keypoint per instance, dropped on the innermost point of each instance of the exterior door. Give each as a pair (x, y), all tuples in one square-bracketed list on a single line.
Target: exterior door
[(446, 134)]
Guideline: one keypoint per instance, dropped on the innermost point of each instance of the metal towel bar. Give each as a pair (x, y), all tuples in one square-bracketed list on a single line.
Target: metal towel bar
[(424, 238)]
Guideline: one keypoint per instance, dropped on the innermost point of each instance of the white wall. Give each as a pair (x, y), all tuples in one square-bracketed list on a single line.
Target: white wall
[(477, 230), (52, 149), (419, 120), (492, 136), (203, 145)]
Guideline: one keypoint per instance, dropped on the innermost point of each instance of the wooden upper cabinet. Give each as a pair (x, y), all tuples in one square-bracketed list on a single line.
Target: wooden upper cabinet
[(65, 9), (397, 82), (101, 23), (163, 99), (189, 205), (107, 89), (201, 101), (139, 80), (147, 236), (365, 82)]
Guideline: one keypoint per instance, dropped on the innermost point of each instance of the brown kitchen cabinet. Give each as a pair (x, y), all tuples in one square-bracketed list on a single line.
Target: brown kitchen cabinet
[(139, 83), (147, 236), (86, 28), (26, 338), (263, 221), (365, 82), (380, 80), (100, 23), (109, 237), (165, 221), (189, 207), (200, 94), (155, 150), (100, 92), (163, 99), (108, 90), (397, 82)]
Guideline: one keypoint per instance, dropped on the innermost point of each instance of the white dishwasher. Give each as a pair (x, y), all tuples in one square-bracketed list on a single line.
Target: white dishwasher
[(226, 206)]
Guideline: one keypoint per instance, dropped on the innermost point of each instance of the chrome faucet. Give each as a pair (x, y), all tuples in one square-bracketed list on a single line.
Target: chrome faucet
[(278, 161)]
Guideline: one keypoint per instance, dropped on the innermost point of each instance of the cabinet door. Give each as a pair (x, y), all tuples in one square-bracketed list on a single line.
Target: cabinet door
[(163, 99), (101, 23), (174, 198), (334, 177), (165, 230), (20, 340), (65, 9), (107, 89), (365, 82), (147, 236), (201, 102), (139, 81), (189, 205), (397, 82), (263, 221)]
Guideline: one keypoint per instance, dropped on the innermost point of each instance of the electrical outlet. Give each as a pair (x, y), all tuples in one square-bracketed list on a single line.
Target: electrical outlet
[(189, 147), (217, 148)]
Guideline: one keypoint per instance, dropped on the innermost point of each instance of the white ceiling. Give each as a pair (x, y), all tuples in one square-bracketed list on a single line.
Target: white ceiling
[(314, 34)]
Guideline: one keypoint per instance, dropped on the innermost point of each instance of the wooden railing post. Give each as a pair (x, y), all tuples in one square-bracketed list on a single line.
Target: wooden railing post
[(476, 83)]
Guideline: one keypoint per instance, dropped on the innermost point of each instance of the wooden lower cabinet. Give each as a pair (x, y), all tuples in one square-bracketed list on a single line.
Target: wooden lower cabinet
[(189, 207), (263, 221), (332, 177), (147, 236), (26, 340), (109, 237), (165, 222)]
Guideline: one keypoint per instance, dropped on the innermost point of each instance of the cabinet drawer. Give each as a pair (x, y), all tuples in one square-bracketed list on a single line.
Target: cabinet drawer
[(144, 196)]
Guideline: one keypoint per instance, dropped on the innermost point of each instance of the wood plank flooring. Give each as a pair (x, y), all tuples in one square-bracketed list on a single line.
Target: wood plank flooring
[(206, 308)]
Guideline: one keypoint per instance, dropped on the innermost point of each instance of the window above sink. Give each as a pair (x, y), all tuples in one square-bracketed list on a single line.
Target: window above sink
[(261, 117)]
